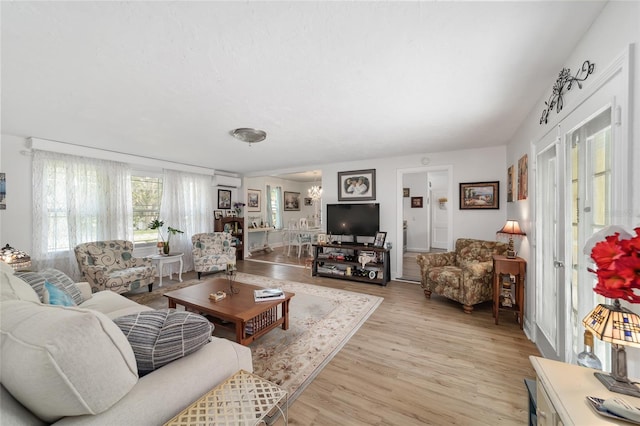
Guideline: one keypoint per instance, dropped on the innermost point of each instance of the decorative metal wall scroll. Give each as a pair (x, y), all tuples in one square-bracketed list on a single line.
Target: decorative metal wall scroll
[(565, 79)]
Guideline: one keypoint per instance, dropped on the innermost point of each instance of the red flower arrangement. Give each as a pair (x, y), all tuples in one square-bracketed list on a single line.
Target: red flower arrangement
[(618, 262)]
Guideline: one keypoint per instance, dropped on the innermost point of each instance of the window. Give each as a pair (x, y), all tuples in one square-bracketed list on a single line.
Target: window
[(146, 192), (274, 206)]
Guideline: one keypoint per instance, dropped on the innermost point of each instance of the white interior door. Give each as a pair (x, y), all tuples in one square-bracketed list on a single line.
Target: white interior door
[(550, 294), (439, 220)]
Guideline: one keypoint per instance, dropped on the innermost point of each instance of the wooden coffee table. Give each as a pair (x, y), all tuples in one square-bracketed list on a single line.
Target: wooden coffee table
[(249, 319)]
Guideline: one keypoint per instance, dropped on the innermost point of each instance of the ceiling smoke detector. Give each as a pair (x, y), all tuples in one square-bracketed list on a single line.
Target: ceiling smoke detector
[(248, 135)]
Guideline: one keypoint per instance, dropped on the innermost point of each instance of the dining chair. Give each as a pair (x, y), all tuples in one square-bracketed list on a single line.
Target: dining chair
[(304, 238), (290, 235)]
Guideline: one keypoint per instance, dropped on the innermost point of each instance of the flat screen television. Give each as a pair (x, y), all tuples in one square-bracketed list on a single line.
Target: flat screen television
[(353, 219)]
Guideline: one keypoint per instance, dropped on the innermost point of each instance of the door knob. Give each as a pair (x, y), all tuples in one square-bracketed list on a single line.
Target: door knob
[(558, 264)]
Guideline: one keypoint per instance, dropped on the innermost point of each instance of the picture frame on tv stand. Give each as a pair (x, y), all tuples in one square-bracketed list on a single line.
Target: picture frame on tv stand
[(379, 239)]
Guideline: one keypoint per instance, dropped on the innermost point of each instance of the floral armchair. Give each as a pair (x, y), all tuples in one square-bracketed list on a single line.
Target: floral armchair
[(110, 265), (464, 275), (212, 251)]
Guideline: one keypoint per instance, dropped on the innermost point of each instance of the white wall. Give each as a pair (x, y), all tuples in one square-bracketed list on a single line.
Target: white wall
[(15, 221), (473, 165)]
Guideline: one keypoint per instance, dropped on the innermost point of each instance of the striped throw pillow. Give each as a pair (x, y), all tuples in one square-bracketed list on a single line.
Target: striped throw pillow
[(160, 337)]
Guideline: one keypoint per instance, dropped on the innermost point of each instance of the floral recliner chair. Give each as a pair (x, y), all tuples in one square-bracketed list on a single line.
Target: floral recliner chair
[(110, 265), (212, 252), (464, 275)]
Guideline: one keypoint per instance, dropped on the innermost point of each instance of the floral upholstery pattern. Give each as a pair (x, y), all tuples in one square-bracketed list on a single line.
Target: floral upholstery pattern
[(110, 265), (464, 275), (212, 251)]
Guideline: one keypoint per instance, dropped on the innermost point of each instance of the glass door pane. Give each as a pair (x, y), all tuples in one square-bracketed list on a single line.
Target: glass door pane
[(590, 153)]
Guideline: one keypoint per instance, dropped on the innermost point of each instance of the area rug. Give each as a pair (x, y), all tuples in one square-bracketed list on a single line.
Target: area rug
[(322, 320)]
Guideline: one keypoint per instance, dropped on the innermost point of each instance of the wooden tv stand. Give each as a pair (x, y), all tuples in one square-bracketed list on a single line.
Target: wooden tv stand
[(340, 261)]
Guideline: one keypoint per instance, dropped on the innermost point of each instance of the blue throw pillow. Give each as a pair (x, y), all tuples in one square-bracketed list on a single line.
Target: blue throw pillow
[(54, 296)]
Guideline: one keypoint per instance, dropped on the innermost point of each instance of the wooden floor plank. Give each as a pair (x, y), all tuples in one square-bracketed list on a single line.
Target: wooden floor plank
[(415, 361)]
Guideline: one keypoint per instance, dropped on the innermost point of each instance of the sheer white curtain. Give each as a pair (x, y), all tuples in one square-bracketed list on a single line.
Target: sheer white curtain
[(76, 200), (275, 206), (187, 205)]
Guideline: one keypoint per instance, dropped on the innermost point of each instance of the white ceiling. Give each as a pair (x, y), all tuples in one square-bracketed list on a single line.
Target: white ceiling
[(327, 81)]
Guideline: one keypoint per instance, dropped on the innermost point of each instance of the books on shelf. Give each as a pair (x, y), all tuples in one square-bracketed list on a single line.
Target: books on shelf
[(268, 294)]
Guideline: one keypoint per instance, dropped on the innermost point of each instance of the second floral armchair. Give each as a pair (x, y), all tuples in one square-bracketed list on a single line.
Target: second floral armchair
[(212, 252)]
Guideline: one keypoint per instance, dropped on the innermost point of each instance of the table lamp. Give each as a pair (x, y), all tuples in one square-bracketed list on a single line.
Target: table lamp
[(511, 228), (15, 258), (620, 327)]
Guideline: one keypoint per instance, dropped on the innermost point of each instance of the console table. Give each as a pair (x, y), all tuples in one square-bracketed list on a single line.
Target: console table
[(562, 391)]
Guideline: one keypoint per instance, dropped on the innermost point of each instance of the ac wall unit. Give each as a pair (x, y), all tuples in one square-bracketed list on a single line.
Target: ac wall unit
[(230, 181)]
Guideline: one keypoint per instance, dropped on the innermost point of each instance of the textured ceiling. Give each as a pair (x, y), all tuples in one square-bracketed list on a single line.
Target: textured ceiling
[(327, 81)]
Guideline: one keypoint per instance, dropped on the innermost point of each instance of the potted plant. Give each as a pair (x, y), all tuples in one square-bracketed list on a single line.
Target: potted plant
[(158, 224), (237, 206)]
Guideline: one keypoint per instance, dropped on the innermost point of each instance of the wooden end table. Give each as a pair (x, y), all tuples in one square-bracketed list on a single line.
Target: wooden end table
[(243, 399), (249, 319), (502, 265)]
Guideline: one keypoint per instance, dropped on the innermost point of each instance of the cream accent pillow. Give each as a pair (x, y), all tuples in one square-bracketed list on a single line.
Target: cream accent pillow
[(13, 288), (63, 361)]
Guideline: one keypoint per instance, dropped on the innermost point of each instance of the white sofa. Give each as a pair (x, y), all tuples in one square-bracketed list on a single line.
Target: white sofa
[(74, 366)]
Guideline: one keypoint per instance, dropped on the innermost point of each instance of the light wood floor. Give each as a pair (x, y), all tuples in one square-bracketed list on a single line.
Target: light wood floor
[(416, 362)]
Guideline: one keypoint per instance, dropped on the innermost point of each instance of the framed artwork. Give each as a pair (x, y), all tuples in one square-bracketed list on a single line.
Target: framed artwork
[(231, 213), (291, 201), (511, 184), (358, 185), (217, 214), (308, 201), (253, 200), (416, 202), (480, 195), (224, 198), (3, 191), (379, 239), (322, 238), (254, 224), (405, 192), (523, 176)]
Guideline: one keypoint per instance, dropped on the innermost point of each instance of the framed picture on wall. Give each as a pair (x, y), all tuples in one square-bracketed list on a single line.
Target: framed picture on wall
[(523, 178), (224, 198), (357, 185), (511, 184), (416, 202), (253, 200), (406, 192), (480, 195), (308, 201), (291, 201)]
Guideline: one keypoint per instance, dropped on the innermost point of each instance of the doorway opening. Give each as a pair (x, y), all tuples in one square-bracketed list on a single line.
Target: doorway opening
[(425, 216)]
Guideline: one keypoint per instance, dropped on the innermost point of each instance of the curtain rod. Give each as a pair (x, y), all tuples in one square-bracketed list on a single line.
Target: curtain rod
[(106, 154)]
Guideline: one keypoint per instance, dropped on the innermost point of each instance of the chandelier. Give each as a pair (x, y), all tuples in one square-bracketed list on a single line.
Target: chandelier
[(315, 192)]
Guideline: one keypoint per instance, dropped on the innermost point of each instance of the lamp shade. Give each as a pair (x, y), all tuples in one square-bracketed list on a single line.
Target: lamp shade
[(614, 324), (511, 227)]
